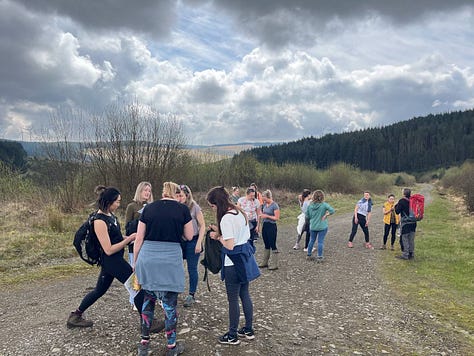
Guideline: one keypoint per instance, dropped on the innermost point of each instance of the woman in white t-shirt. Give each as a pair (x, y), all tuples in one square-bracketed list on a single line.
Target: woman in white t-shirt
[(240, 267)]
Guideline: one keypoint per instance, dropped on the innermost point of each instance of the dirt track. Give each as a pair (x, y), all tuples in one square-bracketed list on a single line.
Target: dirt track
[(338, 307)]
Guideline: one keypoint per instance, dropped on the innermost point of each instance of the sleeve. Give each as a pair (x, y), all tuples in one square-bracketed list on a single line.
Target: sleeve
[(330, 209), (187, 214), (227, 227), (129, 212)]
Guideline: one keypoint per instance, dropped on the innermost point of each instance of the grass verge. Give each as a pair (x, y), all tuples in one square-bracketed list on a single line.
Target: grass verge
[(440, 279)]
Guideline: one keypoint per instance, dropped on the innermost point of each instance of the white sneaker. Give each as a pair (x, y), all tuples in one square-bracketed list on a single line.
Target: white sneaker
[(305, 250), (296, 247)]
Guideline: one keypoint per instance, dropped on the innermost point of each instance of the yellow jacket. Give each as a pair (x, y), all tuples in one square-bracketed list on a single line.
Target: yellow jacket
[(387, 207)]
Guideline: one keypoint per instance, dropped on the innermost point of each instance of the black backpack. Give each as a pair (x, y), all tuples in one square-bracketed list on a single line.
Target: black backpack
[(86, 243), (212, 260)]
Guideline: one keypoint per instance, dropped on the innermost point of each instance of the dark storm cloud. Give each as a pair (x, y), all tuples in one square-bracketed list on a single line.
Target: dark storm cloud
[(147, 16)]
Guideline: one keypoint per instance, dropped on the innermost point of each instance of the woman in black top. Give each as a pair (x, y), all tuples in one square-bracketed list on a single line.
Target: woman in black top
[(113, 265)]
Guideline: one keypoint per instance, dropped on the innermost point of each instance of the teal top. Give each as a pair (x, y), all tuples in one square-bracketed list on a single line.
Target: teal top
[(315, 212)]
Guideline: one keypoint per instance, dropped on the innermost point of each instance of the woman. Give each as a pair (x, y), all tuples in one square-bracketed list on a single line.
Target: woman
[(303, 199), (239, 262), (258, 195), (235, 195), (362, 213), (270, 215), (250, 205), (159, 263), (143, 196), (317, 214), (192, 249), (391, 220), (113, 265)]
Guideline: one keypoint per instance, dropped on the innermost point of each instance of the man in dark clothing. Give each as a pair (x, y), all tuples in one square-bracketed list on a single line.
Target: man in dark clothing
[(408, 228)]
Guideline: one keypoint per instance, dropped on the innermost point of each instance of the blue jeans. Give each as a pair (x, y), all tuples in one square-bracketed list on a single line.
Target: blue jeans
[(320, 235), (236, 290), (192, 259)]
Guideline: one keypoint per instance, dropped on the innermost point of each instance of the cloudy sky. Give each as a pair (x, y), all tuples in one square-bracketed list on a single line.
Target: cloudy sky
[(237, 70)]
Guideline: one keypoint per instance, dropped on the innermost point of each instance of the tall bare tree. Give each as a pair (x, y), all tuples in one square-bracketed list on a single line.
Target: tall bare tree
[(134, 142)]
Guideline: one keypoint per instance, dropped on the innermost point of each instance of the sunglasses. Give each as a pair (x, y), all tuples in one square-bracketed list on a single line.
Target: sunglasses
[(184, 188)]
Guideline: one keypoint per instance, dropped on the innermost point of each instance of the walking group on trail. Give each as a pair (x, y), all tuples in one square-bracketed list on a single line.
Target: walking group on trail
[(161, 234)]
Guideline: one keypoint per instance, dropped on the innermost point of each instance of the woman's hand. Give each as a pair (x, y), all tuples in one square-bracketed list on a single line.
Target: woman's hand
[(131, 238)]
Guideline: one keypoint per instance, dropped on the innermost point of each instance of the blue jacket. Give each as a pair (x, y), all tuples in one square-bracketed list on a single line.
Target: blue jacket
[(243, 258)]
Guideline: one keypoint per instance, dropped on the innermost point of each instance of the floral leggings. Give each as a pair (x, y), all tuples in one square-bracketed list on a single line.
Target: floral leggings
[(169, 301)]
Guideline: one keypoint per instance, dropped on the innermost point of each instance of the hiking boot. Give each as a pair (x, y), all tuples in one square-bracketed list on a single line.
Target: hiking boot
[(228, 339), (369, 246), (350, 244), (143, 349), (177, 350), (189, 301), (247, 333), (157, 326), (401, 257), (77, 321)]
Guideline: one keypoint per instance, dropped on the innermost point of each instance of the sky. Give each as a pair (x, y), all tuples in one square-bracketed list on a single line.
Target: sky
[(236, 71)]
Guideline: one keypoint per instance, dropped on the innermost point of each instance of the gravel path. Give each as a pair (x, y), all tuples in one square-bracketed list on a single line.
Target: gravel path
[(340, 307)]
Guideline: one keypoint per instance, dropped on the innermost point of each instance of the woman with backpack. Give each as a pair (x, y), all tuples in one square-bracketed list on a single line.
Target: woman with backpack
[(159, 263), (192, 249), (239, 265), (113, 265)]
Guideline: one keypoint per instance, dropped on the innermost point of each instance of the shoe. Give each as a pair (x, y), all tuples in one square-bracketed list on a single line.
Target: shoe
[(305, 249), (401, 258), (247, 333), (143, 349), (157, 326), (230, 340), (350, 244), (411, 256), (296, 247), (77, 321), (189, 301), (319, 259), (134, 308), (177, 350), (369, 246), (310, 258), (392, 248), (383, 247)]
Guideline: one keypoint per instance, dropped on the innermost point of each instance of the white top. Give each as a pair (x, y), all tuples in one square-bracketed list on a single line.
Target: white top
[(234, 227)]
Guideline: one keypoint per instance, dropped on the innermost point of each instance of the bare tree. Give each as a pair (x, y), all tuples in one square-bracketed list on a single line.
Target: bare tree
[(133, 143), (64, 168)]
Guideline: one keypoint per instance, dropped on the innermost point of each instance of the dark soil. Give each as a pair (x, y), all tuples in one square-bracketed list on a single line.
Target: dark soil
[(340, 307)]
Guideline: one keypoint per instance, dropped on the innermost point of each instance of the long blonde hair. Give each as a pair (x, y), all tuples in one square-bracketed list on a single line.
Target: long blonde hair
[(138, 192)]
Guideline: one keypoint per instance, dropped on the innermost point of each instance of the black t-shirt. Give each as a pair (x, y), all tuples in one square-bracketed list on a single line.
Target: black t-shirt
[(165, 220)]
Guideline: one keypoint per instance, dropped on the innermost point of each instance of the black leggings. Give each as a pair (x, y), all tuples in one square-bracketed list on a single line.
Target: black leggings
[(362, 222), (393, 228), (112, 267)]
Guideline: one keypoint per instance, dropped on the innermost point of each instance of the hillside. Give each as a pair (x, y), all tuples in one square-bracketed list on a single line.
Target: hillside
[(419, 144)]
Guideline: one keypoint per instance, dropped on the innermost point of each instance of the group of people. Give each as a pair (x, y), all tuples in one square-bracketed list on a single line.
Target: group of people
[(313, 222), (160, 234)]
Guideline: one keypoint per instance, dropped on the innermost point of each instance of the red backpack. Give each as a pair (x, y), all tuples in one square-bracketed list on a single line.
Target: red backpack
[(417, 209)]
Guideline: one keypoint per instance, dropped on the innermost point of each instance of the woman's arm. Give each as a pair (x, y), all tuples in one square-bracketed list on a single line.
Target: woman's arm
[(102, 233), (202, 231), (188, 231), (138, 241)]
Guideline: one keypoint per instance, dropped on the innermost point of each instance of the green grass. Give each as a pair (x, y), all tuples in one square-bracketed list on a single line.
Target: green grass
[(441, 279)]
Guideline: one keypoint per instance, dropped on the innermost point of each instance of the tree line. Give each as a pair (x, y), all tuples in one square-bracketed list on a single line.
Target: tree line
[(416, 145)]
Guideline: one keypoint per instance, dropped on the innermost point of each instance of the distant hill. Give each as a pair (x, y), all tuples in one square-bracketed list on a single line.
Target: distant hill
[(415, 145)]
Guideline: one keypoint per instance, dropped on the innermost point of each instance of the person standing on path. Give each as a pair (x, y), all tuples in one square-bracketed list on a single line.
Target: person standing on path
[(362, 213), (239, 265), (317, 213), (113, 265), (408, 228), (251, 207), (391, 220), (159, 263), (193, 248), (235, 195), (304, 200), (270, 215)]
